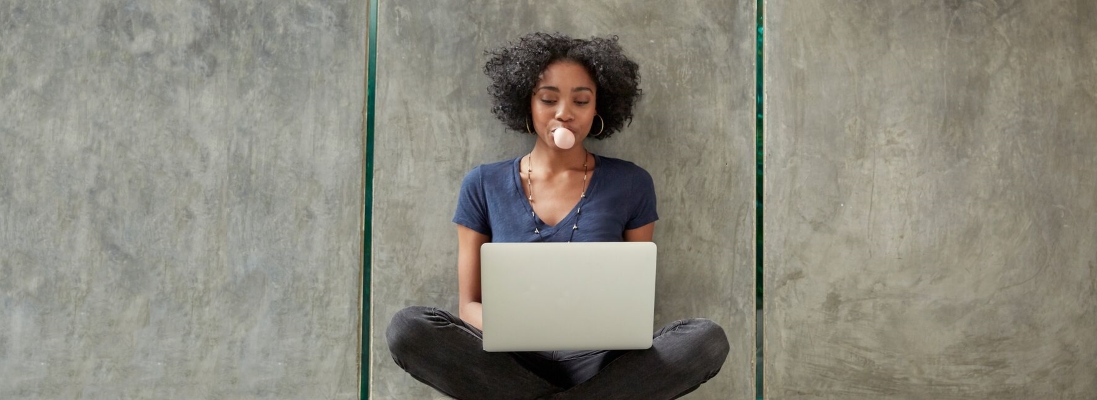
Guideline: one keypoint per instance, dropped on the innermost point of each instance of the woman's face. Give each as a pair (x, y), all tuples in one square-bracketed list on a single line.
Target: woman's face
[(564, 97)]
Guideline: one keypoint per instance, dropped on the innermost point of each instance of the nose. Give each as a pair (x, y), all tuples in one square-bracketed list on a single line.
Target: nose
[(563, 112)]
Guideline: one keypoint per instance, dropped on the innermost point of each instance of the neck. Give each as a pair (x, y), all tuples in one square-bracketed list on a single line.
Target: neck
[(557, 160)]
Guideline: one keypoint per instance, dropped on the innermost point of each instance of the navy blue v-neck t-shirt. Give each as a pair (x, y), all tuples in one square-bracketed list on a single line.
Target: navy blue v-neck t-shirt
[(620, 197)]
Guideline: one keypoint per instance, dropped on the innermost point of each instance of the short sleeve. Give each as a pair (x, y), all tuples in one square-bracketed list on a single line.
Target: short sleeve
[(644, 211), (472, 205)]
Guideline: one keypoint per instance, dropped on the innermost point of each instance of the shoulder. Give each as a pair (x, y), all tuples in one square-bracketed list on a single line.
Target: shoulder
[(496, 168), (622, 169), (617, 163), (490, 172)]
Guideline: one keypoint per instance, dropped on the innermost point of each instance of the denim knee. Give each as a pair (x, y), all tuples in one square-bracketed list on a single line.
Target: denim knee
[(712, 345), (406, 331), (702, 350)]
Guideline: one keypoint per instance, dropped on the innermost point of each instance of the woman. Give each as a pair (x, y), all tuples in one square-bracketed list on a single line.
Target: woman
[(562, 91)]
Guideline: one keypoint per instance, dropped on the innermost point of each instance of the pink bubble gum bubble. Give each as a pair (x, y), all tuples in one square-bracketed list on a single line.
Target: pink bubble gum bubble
[(563, 138)]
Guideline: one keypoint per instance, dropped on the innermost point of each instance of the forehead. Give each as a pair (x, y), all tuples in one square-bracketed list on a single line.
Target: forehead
[(566, 75)]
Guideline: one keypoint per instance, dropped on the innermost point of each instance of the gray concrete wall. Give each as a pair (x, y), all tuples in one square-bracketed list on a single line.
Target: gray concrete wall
[(930, 200), (180, 199), (694, 131)]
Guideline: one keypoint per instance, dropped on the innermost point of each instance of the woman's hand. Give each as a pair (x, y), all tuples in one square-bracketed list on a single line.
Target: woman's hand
[(468, 275)]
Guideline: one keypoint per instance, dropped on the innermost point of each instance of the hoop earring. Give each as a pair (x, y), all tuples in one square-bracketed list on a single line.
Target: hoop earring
[(602, 127), (527, 126)]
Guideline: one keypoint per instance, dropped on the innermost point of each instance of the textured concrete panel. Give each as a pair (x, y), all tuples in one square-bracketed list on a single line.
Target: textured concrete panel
[(694, 131), (930, 200), (180, 199)]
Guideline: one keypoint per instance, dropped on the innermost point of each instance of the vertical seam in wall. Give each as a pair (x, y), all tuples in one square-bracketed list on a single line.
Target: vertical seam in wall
[(367, 203), (759, 320)]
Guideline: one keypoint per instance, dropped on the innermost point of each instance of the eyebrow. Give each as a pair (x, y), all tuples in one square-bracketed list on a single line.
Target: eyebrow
[(556, 89)]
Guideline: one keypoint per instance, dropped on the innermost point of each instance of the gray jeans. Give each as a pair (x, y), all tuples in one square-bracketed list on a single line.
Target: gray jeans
[(444, 352)]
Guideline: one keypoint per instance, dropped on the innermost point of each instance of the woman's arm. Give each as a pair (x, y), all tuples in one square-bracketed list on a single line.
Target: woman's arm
[(641, 234), (468, 275)]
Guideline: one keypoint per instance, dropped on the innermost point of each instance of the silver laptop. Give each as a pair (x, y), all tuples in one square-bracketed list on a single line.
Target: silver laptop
[(567, 296)]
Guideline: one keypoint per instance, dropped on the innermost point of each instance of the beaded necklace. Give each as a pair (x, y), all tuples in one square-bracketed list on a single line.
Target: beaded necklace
[(578, 210)]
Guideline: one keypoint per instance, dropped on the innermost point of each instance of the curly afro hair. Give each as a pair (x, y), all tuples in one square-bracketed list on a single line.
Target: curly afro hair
[(516, 68)]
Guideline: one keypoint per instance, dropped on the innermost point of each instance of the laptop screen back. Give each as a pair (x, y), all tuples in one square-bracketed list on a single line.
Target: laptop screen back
[(567, 296)]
